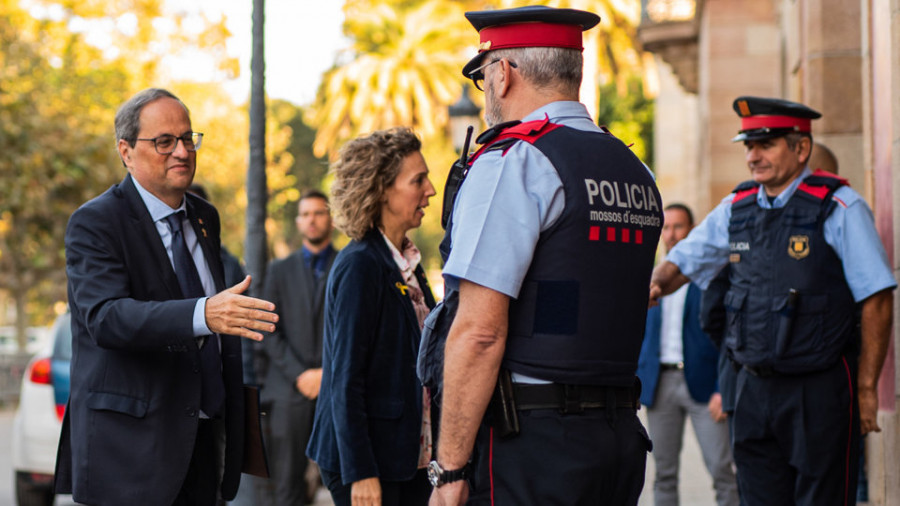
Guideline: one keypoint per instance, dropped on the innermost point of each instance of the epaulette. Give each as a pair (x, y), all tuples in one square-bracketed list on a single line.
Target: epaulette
[(491, 133), (504, 135), (744, 190), (821, 183)]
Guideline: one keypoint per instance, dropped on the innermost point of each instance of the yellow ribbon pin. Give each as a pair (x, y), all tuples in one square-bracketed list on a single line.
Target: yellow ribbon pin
[(400, 286)]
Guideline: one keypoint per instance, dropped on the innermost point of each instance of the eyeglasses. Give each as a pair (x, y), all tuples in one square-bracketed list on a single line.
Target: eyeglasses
[(477, 75), (167, 143)]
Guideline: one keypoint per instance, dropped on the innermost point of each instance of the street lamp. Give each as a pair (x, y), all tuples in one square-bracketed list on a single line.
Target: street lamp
[(462, 114)]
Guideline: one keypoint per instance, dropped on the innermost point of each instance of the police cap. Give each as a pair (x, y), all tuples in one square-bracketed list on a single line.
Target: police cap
[(767, 118), (531, 26)]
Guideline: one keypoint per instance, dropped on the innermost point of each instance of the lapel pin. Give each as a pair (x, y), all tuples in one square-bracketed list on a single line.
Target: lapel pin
[(403, 288)]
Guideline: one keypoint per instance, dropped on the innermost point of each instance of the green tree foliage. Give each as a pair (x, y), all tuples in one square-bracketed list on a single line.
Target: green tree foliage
[(629, 116), (402, 69), (55, 136), (304, 171)]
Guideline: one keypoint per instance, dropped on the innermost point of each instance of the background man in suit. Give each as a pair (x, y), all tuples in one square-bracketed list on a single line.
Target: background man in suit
[(294, 350), (678, 368), (156, 408)]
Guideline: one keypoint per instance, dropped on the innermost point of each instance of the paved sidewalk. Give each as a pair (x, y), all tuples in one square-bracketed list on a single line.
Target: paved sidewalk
[(694, 484)]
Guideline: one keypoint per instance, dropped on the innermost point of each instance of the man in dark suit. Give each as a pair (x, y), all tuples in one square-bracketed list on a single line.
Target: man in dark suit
[(678, 367), (156, 408), (294, 351)]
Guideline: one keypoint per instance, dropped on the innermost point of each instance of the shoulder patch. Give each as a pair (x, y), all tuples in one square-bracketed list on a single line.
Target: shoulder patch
[(746, 185), (820, 183), (529, 132)]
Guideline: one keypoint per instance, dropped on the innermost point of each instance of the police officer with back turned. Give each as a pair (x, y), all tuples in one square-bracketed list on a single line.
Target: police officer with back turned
[(551, 237), (809, 310)]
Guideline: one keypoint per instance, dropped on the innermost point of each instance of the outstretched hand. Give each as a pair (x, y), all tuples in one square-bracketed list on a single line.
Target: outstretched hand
[(229, 312)]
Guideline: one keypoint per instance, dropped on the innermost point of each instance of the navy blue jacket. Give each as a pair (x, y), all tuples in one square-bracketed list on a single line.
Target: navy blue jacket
[(700, 356), (369, 414), (129, 428)]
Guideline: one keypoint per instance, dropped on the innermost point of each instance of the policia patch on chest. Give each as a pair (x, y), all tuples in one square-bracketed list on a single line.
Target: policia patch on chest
[(798, 246)]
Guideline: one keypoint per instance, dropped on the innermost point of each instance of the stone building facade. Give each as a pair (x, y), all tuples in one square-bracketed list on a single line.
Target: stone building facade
[(840, 57)]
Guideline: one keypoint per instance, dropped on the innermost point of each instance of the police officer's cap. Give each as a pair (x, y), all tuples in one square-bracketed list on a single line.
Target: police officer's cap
[(767, 118), (531, 26)]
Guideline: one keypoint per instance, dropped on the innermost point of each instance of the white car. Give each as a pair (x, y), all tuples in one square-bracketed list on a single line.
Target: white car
[(38, 419)]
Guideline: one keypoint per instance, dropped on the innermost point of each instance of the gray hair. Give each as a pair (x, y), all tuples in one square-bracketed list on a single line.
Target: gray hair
[(128, 117), (547, 67), (793, 140)]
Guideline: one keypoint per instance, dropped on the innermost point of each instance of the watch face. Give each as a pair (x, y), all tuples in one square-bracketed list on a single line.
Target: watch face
[(434, 473)]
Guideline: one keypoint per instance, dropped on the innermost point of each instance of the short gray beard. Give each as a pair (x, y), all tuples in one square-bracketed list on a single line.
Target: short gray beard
[(492, 116)]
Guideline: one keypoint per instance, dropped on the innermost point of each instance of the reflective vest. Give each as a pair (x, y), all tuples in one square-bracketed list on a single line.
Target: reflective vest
[(789, 306)]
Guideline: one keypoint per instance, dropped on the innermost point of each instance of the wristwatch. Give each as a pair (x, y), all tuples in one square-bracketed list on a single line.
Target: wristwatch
[(439, 476)]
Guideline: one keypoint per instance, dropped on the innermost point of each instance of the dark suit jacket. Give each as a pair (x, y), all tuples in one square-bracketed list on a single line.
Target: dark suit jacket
[(129, 429), (369, 415), (700, 356), (296, 344)]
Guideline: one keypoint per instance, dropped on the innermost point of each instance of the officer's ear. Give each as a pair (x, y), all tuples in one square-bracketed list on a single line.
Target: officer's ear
[(804, 149), (504, 77)]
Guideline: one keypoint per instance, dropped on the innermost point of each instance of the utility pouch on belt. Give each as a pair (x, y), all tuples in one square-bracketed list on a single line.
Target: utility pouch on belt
[(505, 419)]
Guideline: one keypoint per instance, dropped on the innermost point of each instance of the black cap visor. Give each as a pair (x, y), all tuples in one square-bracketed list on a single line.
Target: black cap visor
[(759, 134)]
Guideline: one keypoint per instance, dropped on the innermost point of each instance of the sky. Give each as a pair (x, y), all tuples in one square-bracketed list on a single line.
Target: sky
[(303, 38)]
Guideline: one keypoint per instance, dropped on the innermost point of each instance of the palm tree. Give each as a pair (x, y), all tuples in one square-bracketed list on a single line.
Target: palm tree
[(403, 68)]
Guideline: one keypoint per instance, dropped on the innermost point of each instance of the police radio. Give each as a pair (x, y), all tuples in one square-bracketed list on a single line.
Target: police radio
[(455, 178)]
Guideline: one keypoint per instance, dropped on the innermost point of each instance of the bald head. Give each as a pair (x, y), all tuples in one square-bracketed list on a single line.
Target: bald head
[(822, 158)]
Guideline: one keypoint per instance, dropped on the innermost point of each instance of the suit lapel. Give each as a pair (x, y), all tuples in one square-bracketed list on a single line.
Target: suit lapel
[(204, 238), (398, 287), (145, 229)]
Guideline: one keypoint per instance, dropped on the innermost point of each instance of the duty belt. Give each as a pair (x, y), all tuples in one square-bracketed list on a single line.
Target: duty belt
[(573, 398), (762, 372)]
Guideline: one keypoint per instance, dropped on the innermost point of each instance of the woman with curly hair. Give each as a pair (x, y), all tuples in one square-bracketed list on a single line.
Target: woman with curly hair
[(372, 436)]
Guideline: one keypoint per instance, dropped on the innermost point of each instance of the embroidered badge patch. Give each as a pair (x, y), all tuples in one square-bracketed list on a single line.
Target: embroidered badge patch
[(798, 246)]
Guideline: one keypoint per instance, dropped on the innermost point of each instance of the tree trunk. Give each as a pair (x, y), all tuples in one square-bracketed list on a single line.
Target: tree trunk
[(257, 193), (21, 300)]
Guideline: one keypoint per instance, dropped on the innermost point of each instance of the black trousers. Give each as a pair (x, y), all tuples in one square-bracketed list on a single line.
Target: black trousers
[(289, 424), (200, 487), (414, 492), (597, 457), (796, 438)]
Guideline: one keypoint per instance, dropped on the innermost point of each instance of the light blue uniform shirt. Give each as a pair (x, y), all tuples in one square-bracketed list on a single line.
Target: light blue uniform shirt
[(849, 230), (158, 212), (506, 201)]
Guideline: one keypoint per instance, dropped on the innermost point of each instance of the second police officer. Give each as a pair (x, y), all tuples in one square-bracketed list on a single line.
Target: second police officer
[(809, 310)]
